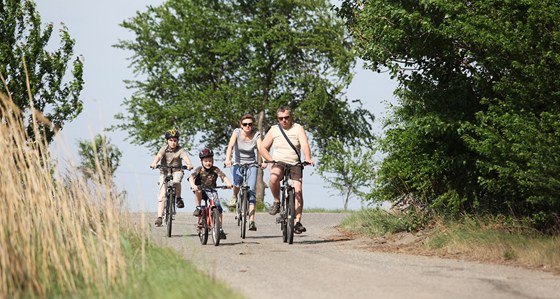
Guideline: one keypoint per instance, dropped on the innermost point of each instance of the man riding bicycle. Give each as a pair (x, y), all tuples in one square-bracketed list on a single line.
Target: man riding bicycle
[(283, 152), (170, 155)]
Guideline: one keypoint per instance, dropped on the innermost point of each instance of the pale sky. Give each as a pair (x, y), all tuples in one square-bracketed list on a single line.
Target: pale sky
[(94, 26)]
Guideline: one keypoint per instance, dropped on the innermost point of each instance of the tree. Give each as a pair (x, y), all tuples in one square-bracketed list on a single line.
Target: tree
[(100, 159), (25, 60), (203, 64), (479, 100), (350, 170)]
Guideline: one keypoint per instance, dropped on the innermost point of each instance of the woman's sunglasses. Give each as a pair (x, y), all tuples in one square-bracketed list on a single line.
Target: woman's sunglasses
[(247, 124)]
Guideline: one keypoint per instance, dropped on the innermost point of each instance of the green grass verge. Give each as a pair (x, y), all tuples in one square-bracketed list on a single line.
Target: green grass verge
[(481, 238), (160, 272)]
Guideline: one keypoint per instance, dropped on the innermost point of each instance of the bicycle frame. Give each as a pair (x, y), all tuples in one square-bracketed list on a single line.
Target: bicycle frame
[(210, 217), (242, 206), (169, 210), (286, 219)]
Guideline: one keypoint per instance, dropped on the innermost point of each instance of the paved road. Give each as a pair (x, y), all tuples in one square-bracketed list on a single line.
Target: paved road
[(323, 264)]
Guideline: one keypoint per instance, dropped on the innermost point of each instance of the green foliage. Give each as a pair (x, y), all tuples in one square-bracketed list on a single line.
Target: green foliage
[(25, 60), (100, 159), (203, 64), (348, 170), (153, 269), (377, 222), (476, 126)]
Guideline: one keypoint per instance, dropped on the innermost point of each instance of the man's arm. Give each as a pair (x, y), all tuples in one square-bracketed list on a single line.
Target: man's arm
[(265, 147), (304, 142)]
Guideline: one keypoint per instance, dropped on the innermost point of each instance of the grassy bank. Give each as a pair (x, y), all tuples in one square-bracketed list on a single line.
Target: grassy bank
[(486, 239), (62, 236)]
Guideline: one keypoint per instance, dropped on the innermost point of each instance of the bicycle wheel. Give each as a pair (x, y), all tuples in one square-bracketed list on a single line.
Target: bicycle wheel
[(244, 212), (170, 210), (291, 215), (203, 228), (216, 225), (239, 215), (283, 222)]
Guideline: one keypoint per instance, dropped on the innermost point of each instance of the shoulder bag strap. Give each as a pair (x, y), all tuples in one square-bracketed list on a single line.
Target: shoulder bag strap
[(289, 142)]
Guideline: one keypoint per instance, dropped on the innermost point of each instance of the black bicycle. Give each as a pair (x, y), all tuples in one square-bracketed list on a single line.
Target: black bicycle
[(287, 214), (209, 219), (169, 209), (242, 206)]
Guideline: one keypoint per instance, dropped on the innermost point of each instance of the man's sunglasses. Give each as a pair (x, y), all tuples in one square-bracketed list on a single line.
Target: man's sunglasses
[(281, 118), (247, 124)]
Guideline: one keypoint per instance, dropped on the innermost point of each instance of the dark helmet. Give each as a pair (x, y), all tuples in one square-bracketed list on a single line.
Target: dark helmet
[(171, 134), (206, 153)]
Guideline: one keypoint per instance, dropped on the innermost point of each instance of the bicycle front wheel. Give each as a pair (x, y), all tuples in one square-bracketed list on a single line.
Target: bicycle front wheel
[(291, 215), (283, 217), (170, 212), (203, 228), (244, 212), (216, 225)]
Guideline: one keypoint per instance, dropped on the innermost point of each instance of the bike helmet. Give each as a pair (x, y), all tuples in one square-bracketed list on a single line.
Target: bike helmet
[(171, 134), (206, 153)]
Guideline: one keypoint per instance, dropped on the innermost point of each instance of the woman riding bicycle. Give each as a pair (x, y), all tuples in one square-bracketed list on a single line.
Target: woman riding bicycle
[(170, 155), (207, 176), (283, 152), (244, 143)]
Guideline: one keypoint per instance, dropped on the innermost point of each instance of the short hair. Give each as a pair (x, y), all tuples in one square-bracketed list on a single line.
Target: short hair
[(247, 116), (284, 109)]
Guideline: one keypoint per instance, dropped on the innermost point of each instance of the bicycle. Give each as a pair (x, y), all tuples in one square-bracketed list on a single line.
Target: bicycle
[(242, 205), (210, 216), (287, 214), (169, 209)]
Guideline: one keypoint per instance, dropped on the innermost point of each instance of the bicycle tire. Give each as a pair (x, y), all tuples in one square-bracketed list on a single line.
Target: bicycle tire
[(238, 211), (170, 206), (244, 212), (283, 222), (203, 230), (216, 225), (291, 214)]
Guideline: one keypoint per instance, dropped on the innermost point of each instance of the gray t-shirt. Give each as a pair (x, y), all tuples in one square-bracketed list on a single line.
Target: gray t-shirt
[(245, 151)]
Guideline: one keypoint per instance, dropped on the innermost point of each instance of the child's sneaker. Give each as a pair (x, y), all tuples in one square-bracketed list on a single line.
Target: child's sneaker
[(252, 226), (159, 222), (197, 212), (222, 234)]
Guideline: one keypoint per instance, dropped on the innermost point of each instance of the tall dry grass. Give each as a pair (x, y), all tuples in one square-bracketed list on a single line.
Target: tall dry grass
[(58, 234)]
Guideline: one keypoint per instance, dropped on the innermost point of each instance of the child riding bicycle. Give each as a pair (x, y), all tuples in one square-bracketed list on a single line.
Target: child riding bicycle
[(207, 176), (170, 155)]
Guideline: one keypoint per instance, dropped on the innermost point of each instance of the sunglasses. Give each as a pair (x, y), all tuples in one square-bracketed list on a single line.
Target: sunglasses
[(281, 118), (247, 124)]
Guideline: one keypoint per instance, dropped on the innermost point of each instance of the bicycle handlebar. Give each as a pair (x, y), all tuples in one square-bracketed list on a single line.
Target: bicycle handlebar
[(300, 163), (212, 188), (171, 167)]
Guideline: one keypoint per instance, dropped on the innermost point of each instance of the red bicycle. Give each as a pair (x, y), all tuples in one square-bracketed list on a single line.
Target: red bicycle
[(209, 220)]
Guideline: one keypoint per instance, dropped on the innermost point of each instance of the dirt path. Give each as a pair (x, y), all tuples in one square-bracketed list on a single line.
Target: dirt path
[(324, 264)]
